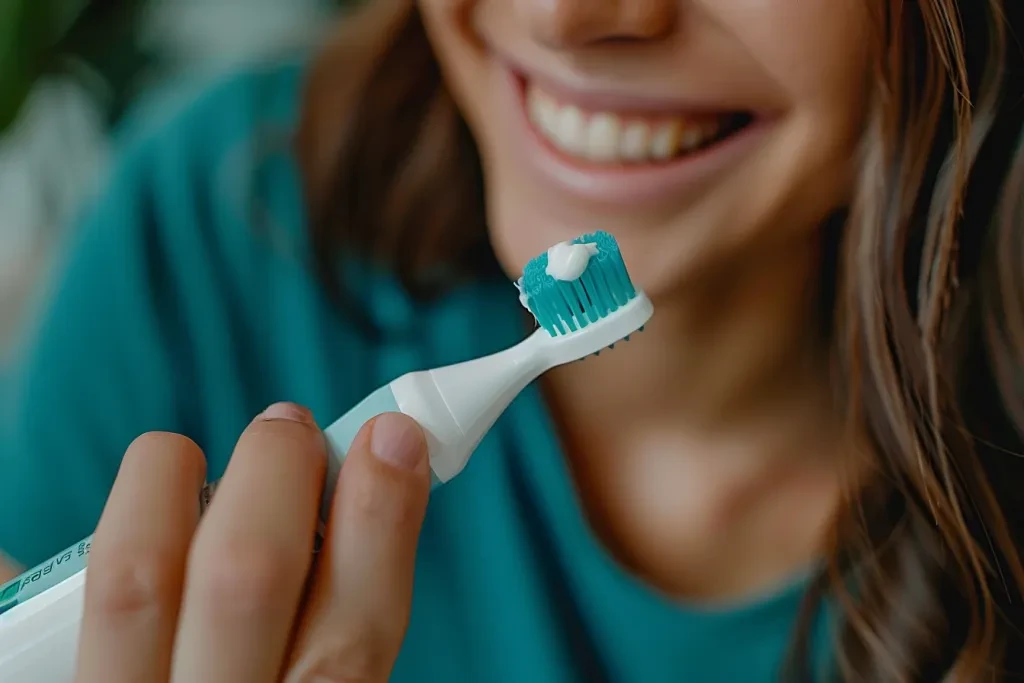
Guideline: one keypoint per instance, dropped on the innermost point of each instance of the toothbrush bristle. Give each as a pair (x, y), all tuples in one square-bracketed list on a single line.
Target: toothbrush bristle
[(611, 346), (563, 307)]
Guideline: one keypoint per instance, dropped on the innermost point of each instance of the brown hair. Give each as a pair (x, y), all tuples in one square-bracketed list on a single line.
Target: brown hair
[(928, 319)]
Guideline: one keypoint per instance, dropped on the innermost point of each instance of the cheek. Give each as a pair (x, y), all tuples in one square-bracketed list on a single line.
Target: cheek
[(516, 233), (816, 51)]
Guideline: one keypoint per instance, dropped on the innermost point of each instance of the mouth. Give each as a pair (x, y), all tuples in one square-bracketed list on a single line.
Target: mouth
[(626, 152), (618, 138)]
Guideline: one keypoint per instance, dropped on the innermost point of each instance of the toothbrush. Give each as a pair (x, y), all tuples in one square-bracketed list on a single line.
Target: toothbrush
[(583, 301)]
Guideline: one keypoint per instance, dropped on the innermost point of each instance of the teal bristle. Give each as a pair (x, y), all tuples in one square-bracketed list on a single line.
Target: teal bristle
[(602, 288)]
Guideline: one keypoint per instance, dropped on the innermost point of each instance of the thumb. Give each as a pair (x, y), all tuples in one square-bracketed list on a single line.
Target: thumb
[(360, 597)]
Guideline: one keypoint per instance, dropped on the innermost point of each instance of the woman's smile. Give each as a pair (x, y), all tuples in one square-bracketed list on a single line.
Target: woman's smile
[(615, 149)]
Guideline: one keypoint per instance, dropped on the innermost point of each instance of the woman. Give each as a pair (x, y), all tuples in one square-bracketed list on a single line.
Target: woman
[(804, 469)]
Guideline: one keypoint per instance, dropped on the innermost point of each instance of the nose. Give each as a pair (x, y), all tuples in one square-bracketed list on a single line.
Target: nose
[(576, 23)]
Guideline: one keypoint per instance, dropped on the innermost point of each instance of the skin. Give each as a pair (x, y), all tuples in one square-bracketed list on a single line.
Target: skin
[(226, 599), (704, 452)]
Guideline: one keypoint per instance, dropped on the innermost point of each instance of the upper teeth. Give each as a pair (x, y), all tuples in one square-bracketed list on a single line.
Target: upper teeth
[(610, 138)]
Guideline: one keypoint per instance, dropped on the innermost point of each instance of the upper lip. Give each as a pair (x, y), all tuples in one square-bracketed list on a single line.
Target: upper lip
[(588, 95)]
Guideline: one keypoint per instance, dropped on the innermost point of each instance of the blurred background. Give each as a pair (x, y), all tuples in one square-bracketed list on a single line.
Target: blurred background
[(70, 72)]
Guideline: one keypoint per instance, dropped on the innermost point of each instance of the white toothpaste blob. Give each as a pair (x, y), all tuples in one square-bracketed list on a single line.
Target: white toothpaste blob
[(568, 260)]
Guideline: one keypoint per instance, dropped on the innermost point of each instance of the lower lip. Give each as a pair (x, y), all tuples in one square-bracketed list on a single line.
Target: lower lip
[(673, 180)]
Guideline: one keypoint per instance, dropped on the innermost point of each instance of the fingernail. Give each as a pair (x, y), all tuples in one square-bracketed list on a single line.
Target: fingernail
[(397, 440), (287, 411)]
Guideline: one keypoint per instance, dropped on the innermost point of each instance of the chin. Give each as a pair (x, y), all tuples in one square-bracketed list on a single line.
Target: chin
[(666, 250)]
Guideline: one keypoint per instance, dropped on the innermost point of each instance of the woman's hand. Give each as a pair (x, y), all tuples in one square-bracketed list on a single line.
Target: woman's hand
[(232, 598)]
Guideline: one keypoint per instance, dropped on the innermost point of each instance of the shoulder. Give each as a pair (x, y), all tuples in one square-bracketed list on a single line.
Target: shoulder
[(215, 155), (201, 175), (219, 110)]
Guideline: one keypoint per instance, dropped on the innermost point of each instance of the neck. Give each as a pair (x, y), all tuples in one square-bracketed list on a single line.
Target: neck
[(697, 448), (734, 352)]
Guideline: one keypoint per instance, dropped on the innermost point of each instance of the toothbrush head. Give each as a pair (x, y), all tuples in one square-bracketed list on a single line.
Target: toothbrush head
[(582, 286)]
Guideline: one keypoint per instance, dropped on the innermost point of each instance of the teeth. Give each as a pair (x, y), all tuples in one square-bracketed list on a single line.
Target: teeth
[(605, 137), (665, 140), (635, 142), (571, 130), (603, 134)]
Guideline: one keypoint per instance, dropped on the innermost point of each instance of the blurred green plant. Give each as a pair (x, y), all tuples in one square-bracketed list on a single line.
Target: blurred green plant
[(26, 28), (38, 37)]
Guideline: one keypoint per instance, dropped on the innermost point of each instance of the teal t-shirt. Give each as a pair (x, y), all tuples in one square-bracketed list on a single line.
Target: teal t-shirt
[(186, 303)]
